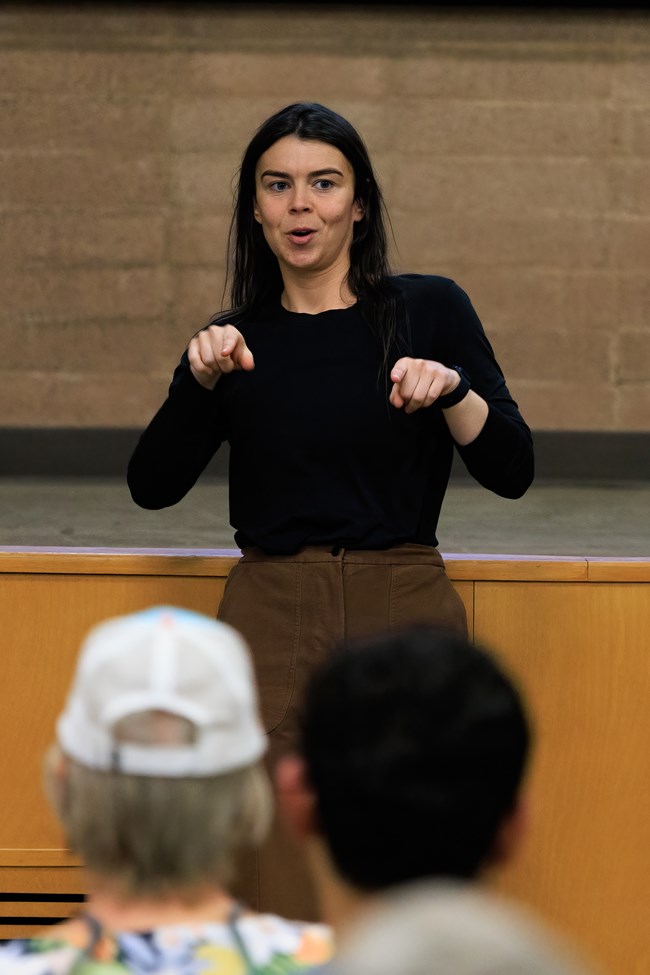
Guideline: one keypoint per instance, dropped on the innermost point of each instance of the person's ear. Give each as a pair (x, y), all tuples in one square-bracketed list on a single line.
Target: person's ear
[(256, 210), (358, 210), (295, 797), (511, 833)]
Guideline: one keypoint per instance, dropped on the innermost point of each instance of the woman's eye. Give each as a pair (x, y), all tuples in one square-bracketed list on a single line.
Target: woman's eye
[(324, 184), (278, 185)]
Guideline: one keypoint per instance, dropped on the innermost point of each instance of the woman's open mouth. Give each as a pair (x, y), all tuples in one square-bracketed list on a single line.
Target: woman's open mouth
[(301, 235)]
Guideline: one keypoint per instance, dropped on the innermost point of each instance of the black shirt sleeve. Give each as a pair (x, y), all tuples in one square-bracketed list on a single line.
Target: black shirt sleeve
[(501, 457), (179, 442)]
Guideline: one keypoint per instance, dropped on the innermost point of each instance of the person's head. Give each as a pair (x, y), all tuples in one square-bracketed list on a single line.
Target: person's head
[(413, 746), (256, 272), (156, 774)]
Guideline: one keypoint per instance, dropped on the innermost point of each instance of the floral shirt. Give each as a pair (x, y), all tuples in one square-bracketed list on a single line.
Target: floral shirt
[(257, 944)]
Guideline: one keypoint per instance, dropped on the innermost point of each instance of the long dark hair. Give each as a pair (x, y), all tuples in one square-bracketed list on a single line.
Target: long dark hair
[(254, 273)]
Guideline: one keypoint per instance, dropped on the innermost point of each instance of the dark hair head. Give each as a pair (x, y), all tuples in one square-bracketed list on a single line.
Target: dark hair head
[(415, 744), (255, 279)]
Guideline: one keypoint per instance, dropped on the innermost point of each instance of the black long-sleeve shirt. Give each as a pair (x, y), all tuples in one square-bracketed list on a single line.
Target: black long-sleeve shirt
[(317, 453)]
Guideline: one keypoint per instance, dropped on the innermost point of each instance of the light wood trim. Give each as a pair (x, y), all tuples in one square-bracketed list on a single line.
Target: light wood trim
[(38, 858), (10, 931), (217, 563), (619, 570), (515, 568), (42, 880), (44, 908), (120, 562)]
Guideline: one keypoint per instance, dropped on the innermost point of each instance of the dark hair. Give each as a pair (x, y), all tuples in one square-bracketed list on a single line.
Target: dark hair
[(414, 743), (254, 273)]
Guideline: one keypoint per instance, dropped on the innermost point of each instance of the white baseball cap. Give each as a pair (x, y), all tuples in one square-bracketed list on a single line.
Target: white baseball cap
[(171, 660)]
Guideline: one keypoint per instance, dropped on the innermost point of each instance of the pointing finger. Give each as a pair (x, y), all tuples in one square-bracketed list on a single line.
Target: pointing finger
[(399, 370)]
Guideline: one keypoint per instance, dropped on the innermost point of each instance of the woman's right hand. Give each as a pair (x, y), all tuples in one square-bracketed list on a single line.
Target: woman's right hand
[(216, 350)]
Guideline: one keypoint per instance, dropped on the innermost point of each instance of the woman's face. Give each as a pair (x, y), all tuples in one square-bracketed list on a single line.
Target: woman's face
[(304, 201)]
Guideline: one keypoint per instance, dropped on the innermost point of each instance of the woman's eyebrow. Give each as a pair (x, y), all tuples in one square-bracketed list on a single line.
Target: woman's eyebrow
[(317, 172)]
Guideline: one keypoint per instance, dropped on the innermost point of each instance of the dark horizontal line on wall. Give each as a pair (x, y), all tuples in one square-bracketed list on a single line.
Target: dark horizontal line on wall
[(44, 898), (446, 5), (105, 452), (25, 919)]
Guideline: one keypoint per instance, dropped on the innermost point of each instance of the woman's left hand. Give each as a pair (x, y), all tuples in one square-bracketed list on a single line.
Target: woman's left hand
[(417, 383)]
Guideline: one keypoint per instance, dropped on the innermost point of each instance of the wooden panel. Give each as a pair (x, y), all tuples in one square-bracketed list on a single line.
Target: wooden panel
[(19, 884), (577, 643), (48, 857), (515, 568), (8, 931), (621, 570), (41, 880), (580, 653), (160, 562), (50, 614), (40, 908)]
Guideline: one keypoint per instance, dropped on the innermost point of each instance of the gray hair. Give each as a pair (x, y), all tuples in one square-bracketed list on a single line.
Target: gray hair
[(154, 834)]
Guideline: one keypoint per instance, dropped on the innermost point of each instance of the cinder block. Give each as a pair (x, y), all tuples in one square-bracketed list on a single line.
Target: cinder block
[(635, 299), (142, 72), (195, 239), (554, 356), (197, 295), (43, 399), (629, 187), (521, 76), (72, 121), (516, 299), (35, 239), (592, 301), (481, 240), (636, 126), (223, 125), (566, 406), (71, 181), (80, 347), (103, 27), (24, 70), (633, 407), (628, 240), (300, 76), (53, 69), (503, 129), (204, 181), (68, 295), (631, 80), (503, 187), (633, 357), (374, 119)]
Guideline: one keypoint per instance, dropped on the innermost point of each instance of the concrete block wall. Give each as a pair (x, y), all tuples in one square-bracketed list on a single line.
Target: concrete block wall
[(512, 147)]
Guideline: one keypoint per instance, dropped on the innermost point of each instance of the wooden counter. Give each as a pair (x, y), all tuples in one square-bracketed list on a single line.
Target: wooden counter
[(575, 632)]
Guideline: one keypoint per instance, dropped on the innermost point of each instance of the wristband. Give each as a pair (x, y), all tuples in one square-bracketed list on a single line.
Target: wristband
[(459, 393)]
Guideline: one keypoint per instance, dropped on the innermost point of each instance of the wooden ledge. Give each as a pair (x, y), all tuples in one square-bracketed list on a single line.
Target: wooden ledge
[(216, 563), (51, 857)]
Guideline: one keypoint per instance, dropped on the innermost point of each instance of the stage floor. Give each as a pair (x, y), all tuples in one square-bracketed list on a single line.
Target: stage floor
[(605, 519)]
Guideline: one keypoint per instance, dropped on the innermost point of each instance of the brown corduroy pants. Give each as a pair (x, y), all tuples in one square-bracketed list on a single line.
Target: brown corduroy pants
[(293, 610)]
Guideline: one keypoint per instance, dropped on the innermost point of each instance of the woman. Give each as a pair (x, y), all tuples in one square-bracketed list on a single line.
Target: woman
[(157, 780), (342, 391)]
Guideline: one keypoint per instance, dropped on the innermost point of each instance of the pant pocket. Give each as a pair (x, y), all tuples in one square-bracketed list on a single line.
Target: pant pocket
[(262, 601), (424, 594)]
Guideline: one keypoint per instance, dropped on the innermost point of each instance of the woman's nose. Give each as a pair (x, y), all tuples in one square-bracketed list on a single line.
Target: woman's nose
[(300, 201)]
